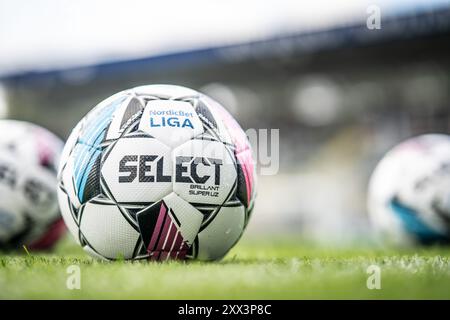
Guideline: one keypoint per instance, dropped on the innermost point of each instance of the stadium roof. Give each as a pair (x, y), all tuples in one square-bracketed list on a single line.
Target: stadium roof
[(336, 28)]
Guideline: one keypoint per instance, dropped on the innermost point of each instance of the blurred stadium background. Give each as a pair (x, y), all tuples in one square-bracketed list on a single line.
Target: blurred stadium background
[(340, 94)]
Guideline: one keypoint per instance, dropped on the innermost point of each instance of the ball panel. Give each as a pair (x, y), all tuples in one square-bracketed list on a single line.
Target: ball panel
[(238, 136), (128, 112), (189, 218), (246, 177), (92, 186), (138, 170), (205, 114), (249, 213), (212, 119), (242, 149), (205, 172), (68, 183), (107, 231), (171, 122), (80, 174), (66, 212), (220, 235), (97, 122), (85, 158), (169, 227)]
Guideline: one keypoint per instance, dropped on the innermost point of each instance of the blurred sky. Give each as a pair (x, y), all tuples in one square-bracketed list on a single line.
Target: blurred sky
[(46, 34)]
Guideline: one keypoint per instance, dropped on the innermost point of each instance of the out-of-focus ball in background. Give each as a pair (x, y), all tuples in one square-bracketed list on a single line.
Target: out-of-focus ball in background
[(409, 192), (29, 213)]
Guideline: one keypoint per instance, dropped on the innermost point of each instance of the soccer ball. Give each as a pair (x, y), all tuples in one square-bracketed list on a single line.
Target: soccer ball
[(29, 213), (409, 192), (157, 172)]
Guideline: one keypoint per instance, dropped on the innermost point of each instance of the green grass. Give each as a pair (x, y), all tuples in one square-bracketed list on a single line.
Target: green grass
[(254, 269)]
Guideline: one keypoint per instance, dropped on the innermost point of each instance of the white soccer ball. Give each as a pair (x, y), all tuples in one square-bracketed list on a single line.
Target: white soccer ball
[(409, 192), (29, 212), (158, 172)]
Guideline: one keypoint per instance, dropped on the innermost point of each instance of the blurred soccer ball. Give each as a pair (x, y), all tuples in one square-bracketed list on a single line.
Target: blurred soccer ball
[(29, 213), (158, 172), (409, 192)]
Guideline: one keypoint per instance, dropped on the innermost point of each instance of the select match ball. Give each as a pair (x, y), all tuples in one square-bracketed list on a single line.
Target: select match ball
[(157, 172)]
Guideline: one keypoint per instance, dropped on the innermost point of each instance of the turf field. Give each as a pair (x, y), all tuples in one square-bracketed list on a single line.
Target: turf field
[(254, 269)]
